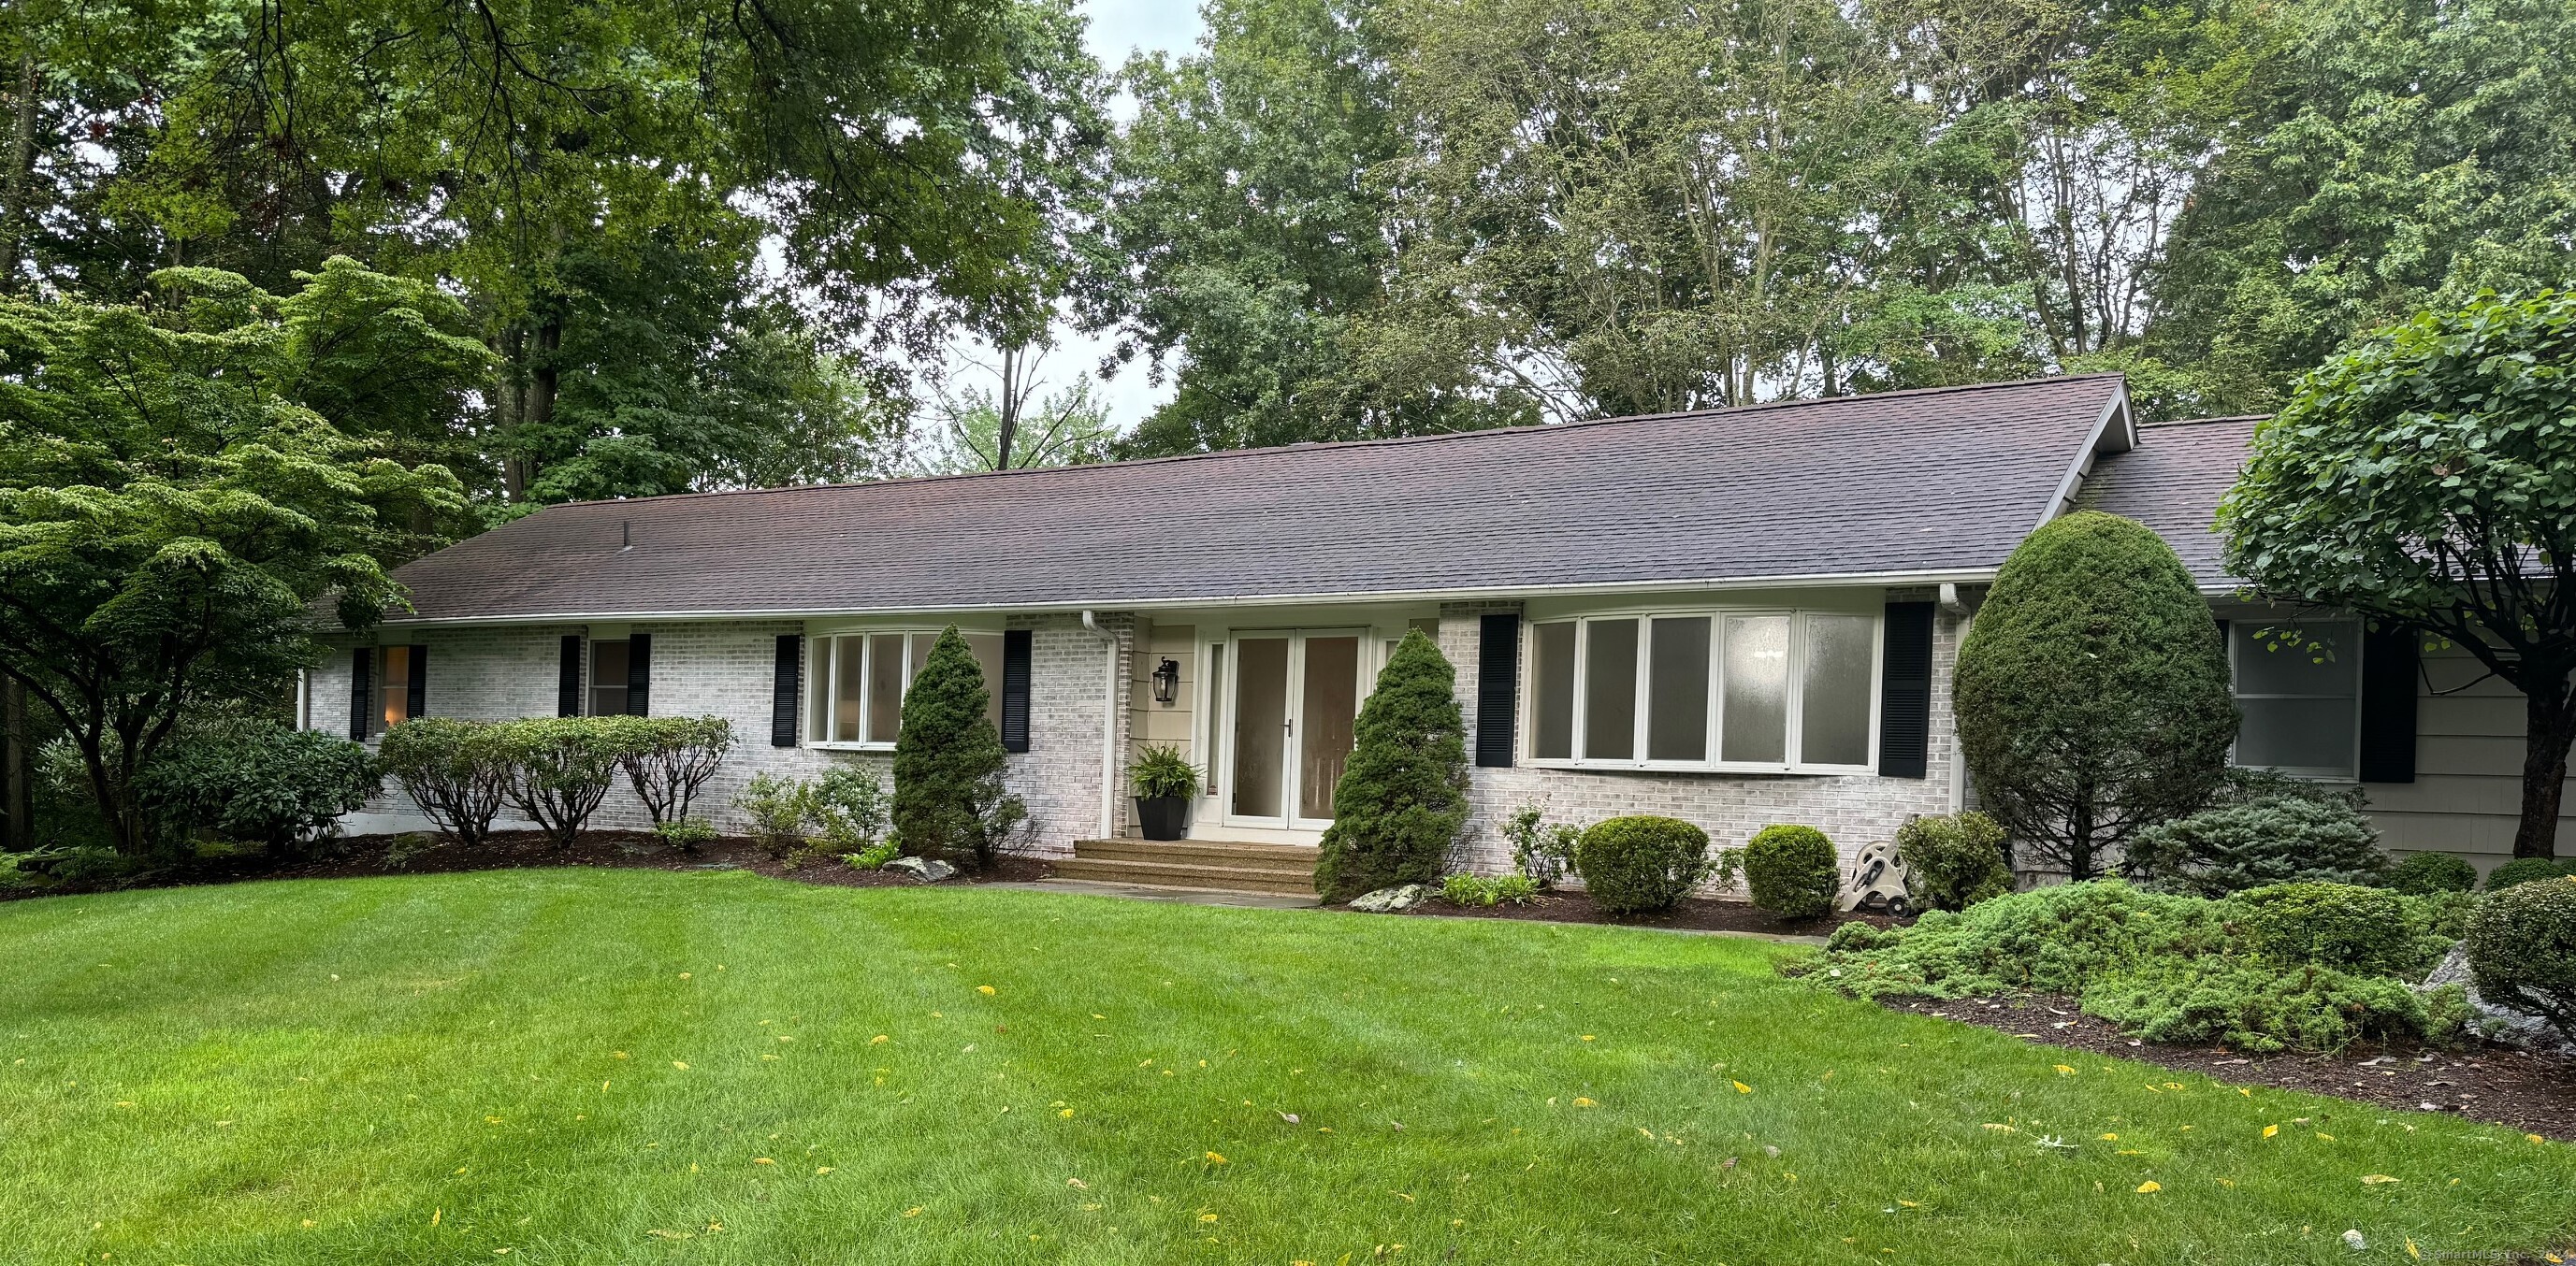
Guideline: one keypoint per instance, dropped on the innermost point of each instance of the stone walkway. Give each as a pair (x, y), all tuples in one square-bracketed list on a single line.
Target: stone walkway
[(1275, 901)]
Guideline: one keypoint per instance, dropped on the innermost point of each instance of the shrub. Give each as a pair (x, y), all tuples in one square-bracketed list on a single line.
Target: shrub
[(2521, 947), (2523, 870), (1953, 861), (458, 772), (948, 761), (2092, 691), (1403, 797), (1640, 862), (1514, 889), (2423, 874), (1791, 871), (1464, 889), (873, 856), (2336, 925), (2279, 839), (560, 769), (846, 808), (1541, 850), (254, 781), (776, 808), (686, 834), (2244, 785), (2259, 1007), (1163, 771), (668, 760)]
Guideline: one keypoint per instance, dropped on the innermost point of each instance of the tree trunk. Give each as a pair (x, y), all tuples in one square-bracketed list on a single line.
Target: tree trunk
[(2549, 728), (22, 165), (17, 771)]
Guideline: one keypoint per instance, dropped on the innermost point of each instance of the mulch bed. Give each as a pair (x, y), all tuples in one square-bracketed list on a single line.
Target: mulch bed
[(2497, 1085), (1692, 914), (364, 856)]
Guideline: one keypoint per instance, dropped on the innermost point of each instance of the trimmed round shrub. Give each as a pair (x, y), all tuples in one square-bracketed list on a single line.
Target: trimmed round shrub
[(2521, 946), (1953, 861), (458, 772), (253, 781), (2423, 874), (2092, 691), (2275, 840), (1640, 863), (1403, 796), (2334, 925), (1792, 871), (2523, 870)]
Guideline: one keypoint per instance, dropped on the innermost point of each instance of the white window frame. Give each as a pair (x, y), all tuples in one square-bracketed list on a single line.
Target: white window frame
[(2240, 630), (1715, 719), (823, 667)]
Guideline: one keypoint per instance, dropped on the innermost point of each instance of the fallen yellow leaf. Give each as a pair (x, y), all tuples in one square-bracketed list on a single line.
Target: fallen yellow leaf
[(2063, 1070), (2149, 1187), (2373, 1180), (1215, 1159), (1741, 1088), (879, 1040), (762, 1160), (1582, 1102), (822, 1169), (986, 990), (2270, 1130), (679, 1065)]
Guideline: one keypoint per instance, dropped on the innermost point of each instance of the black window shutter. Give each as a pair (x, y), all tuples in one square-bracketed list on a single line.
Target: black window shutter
[(1498, 682), (568, 682), (362, 690), (1905, 692), (2388, 671), (786, 685), (416, 695), (1015, 690), (639, 674)]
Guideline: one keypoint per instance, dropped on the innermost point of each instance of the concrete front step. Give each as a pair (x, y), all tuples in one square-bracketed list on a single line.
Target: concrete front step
[(1192, 864)]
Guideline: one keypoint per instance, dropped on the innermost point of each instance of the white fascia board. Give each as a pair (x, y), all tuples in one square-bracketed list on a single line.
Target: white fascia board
[(2114, 432), (1823, 580)]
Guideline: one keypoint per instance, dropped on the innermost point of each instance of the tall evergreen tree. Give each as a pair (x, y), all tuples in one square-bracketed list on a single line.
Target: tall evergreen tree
[(1403, 796), (948, 760)]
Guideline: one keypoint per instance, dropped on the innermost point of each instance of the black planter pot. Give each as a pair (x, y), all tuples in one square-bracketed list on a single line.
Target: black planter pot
[(1163, 817)]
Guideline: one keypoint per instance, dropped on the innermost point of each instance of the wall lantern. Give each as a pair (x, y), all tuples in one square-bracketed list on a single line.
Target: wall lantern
[(1167, 680)]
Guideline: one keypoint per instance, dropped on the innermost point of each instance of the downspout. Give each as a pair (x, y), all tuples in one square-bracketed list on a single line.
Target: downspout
[(1951, 606), (1108, 731)]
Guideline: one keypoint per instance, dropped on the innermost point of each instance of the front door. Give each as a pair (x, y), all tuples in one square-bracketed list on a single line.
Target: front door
[(1295, 695)]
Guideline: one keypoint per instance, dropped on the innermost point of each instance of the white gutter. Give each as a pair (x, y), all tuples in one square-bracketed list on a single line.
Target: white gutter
[(1108, 732), (1819, 580)]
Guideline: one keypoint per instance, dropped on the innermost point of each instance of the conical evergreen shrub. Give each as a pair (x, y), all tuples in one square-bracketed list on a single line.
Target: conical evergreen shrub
[(948, 796), (1403, 797)]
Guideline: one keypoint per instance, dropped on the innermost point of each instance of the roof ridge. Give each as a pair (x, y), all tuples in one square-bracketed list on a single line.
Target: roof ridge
[(1378, 441), (2230, 417)]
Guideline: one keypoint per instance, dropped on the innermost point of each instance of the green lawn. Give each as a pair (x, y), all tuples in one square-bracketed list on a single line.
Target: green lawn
[(596, 1066)]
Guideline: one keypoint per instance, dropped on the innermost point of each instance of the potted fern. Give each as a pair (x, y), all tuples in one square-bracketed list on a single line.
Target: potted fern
[(1165, 783)]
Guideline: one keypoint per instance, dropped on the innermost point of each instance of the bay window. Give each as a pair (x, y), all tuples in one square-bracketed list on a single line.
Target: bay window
[(1752, 691), (2298, 687), (858, 681)]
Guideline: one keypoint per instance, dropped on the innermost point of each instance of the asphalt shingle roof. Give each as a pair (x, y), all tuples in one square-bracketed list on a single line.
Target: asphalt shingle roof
[(2172, 482), (1933, 481)]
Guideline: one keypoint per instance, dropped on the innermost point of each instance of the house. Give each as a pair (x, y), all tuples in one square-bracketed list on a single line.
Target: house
[(1735, 617)]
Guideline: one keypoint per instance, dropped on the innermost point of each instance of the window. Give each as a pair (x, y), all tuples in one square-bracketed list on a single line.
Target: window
[(858, 682), (608, 678), (393, 685), (2299, 688), (1760, 691)]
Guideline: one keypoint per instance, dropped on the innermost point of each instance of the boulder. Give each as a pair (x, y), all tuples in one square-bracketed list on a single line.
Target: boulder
[(1390, 900), (929, 870), (2496, 1023)]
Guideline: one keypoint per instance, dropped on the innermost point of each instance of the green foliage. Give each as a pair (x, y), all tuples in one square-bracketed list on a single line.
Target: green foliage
[(1163, 771), (2521, 946), (2424, 874), (874, 856), (2092, 691), (686, 834), (560, 769), (1466, 888), (668, 760), (1402, 798), (948, 759), (1513, 890), (2426, 478), (255, 781), (1641, 863), (1792, 871), (777, 809), (2523, 870), (458, 772), (174, 496), (2230, 849), (847, 809), (1541, 850), (1953, 861), (2294, 967)]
